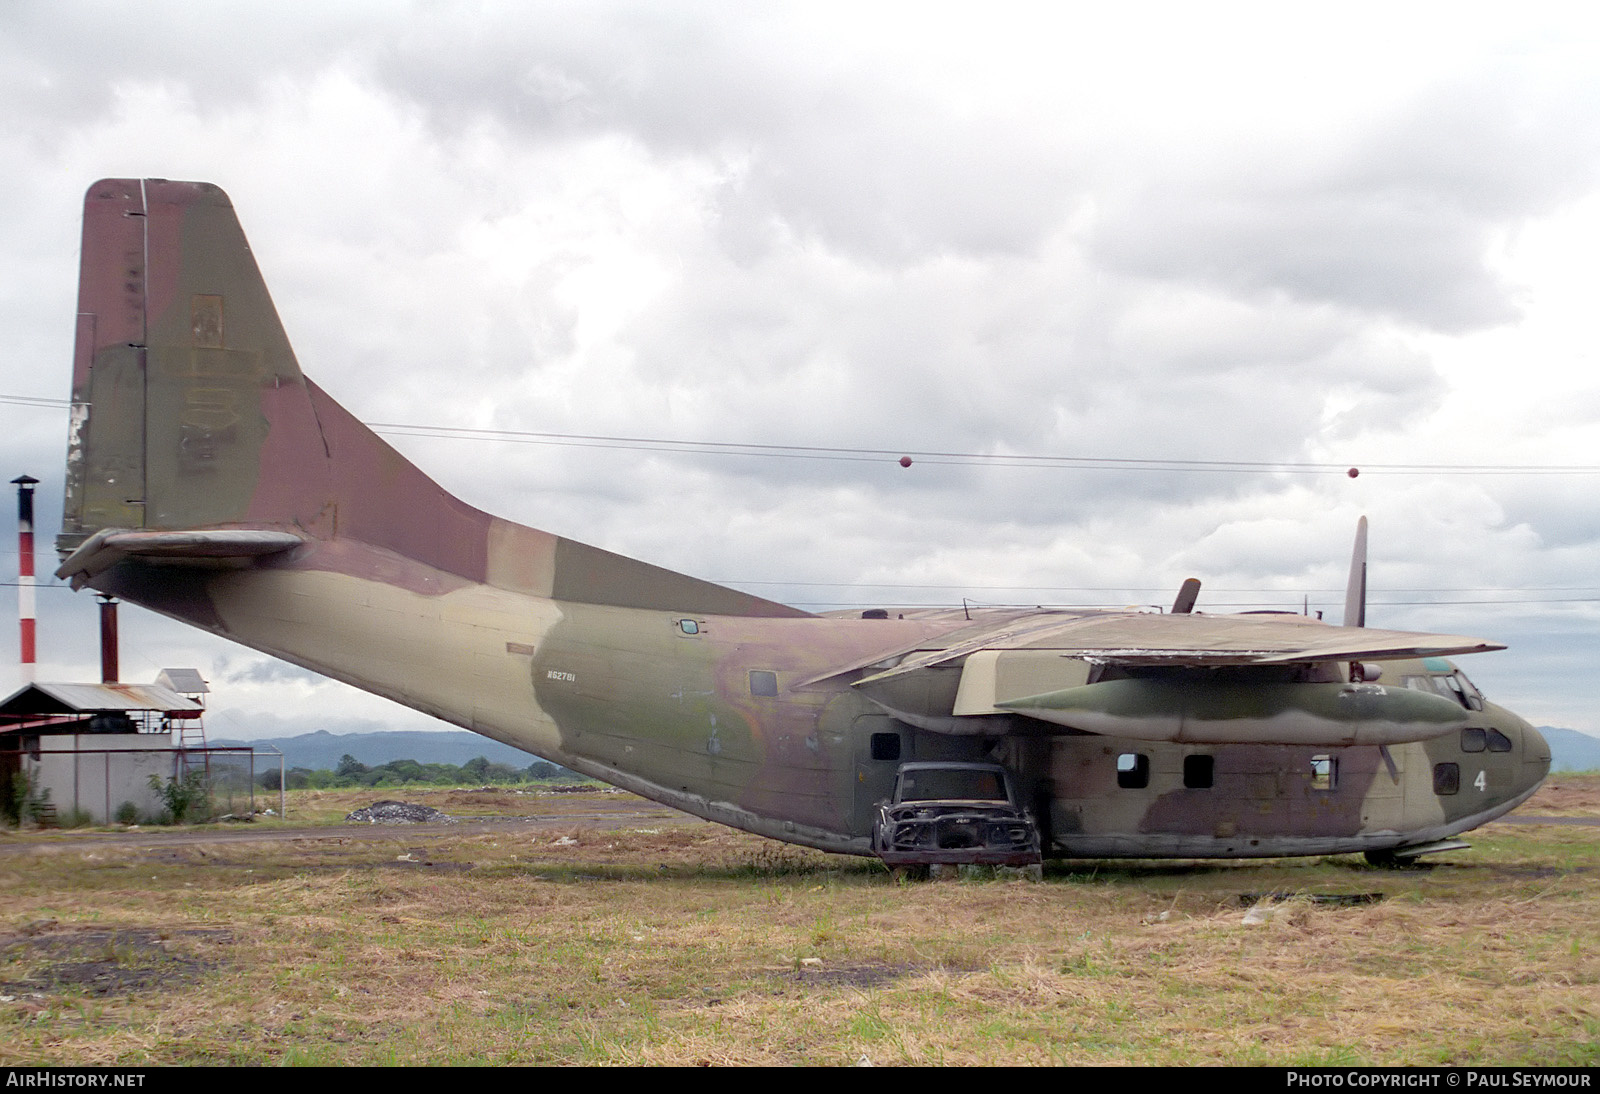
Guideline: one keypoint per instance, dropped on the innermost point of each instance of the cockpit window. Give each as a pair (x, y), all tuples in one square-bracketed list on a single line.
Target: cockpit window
[(1454, 686), (1476, 740), (1461, 690)]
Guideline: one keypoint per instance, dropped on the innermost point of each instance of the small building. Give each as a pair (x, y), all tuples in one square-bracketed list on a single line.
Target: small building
[(90, 750)]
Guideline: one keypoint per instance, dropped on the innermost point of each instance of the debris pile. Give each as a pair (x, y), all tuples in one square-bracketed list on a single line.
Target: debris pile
[(392, 812)]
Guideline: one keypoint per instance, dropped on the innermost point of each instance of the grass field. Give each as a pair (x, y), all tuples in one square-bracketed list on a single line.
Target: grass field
[(603, 931)]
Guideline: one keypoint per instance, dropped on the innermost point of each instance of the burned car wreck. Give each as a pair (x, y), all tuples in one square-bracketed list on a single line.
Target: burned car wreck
[(954, 813)]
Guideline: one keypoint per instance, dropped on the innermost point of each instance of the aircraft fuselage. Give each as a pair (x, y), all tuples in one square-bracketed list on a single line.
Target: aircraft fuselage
[(723, 717), (210, 480)]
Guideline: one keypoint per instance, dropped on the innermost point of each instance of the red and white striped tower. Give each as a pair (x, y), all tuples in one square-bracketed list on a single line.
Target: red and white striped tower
[(26, 610)]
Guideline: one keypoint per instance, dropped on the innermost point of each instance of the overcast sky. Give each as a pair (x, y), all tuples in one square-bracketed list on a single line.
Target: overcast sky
[(1265, 235)]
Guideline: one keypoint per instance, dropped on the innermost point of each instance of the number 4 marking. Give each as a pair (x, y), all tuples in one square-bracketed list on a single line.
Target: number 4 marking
[(1480, 782)]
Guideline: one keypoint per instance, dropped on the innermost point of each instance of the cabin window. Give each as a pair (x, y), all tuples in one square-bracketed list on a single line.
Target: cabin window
[(885, 746), (1499, 742), (1324, 772), (688, 626), (1197, 772), (1133, 771), (763, 683), (1446, 779)]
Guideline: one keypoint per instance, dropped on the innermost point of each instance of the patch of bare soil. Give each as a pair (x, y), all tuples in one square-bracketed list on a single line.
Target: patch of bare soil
[(1566, 795), (507, 802), (851, 976), (123, 961)]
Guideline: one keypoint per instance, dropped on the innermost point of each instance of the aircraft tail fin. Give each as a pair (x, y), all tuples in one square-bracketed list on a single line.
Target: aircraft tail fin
[(189, 410), (1355, 593), (190, 415), (178, 345)]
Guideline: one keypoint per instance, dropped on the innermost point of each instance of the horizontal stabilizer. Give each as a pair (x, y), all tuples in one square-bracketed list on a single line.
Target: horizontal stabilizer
[(110, 546)]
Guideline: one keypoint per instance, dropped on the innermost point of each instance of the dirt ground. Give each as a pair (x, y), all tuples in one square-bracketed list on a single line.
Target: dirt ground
[(597, 927), (1565, 795)]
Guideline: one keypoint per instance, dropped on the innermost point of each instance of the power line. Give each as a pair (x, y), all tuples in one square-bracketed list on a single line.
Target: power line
[(36, 400), (949, 458), (929, 456), (1157, 588), (1294, 603)]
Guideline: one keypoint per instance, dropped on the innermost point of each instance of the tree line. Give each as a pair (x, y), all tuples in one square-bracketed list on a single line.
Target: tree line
[(478, 771)]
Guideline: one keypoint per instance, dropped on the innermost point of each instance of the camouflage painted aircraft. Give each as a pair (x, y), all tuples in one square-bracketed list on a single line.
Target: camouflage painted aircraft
[(208, 479)]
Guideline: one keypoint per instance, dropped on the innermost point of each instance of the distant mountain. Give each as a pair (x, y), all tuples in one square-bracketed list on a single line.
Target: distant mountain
[(1571, 750), (322, 750)]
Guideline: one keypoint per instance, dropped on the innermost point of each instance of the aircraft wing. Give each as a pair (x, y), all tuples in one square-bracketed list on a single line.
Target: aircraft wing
[(1131, 638), (1040, 667)]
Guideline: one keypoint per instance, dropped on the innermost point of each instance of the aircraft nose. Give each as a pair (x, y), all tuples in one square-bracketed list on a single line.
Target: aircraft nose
[(1535, 755)]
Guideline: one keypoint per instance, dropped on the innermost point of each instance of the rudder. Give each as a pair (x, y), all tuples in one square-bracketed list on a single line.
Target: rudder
[(181, 371)]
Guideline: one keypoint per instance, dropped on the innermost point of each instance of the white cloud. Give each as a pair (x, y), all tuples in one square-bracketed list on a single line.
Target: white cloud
[(1258, 234)]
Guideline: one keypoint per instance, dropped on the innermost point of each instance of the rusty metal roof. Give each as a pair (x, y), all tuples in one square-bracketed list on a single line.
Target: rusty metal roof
[(46, 698)]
